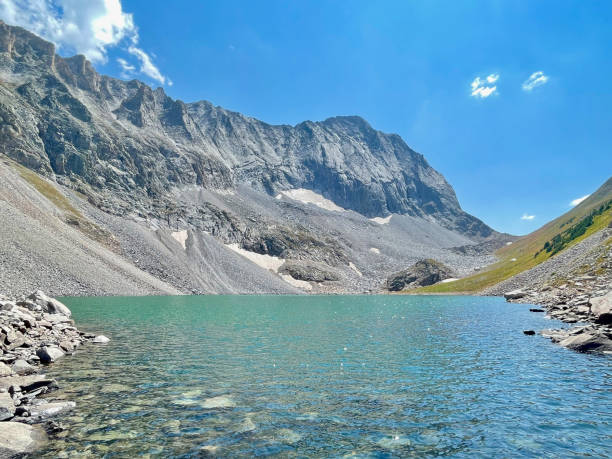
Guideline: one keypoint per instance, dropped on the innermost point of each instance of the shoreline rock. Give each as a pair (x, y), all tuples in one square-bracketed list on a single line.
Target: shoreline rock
[(583, 300), (34, 331)]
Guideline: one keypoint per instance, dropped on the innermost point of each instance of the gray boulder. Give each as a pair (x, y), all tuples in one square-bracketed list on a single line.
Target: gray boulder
[(588, 342), (309, 271), (21, 367), (100, 339), (49, 354), (6, 305), (514, 295), (43, 411), (17, 439), (5, 370), (48, 304), (601, 305), (422, 273), (7, 407)]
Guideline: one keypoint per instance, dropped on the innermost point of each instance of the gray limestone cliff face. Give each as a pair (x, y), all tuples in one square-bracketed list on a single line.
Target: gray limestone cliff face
[(126, 146)]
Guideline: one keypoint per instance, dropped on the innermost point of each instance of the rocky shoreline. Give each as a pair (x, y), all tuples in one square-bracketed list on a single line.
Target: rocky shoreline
[(34, 331), (585, 301)]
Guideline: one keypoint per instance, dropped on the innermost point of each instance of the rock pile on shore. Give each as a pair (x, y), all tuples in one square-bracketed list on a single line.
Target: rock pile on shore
[(34, 331), (584, 300)]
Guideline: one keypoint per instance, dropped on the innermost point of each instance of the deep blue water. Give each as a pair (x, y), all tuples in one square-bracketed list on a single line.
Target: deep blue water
[(328, 376)]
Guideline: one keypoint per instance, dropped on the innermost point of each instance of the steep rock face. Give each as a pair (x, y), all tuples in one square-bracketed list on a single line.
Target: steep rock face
[(127, 146)]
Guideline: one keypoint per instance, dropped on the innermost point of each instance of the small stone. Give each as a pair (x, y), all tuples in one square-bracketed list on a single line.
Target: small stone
[(7, 407), (5, 370), (529, 332), (536, 310), (21, 367), (100, 339), (49, 354), (514, 295)]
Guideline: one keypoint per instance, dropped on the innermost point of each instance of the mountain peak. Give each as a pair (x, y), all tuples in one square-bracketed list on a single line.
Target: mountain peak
[(142, 143)]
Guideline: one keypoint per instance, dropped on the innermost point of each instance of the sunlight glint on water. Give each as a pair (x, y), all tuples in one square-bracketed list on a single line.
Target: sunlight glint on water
[(330, 376)]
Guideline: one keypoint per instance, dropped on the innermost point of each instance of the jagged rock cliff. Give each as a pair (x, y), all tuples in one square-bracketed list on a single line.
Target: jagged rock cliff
[(134, 152), (59, 115)]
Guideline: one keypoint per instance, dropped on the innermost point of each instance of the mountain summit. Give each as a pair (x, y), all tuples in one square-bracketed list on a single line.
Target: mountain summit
[(134, 152)]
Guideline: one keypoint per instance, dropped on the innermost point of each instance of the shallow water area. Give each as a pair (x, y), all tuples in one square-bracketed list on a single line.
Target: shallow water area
[(327, 376)]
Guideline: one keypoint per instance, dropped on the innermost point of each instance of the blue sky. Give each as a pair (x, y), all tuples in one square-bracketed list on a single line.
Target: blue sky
[(407, 67)]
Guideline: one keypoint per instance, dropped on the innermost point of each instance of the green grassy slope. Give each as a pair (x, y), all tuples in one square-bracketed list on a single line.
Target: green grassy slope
[(583, 220)]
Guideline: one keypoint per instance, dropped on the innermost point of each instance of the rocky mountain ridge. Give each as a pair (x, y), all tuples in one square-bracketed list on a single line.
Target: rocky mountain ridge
[(67, 119), (193, 180)]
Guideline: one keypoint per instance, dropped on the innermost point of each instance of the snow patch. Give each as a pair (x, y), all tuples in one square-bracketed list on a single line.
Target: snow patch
[(381, 220), (296, 282), (270, 263), (279, 196), (450, 279), (354, 268), (181, 237), (375, 250), (265, 261), (310, 197), (225, 192), (509, 243)]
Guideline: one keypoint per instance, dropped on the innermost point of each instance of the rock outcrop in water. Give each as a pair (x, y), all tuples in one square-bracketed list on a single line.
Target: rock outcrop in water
[(34, 330)]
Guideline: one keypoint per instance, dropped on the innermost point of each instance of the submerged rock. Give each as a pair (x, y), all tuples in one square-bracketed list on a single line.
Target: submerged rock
[(221, 401), (43, 411)]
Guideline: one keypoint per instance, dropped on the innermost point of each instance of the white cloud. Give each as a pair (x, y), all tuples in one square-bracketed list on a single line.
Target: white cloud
[(146, 64), (483, 88), (577, 201), (125, 65), (527, 217), (535, 79), (88, 27)]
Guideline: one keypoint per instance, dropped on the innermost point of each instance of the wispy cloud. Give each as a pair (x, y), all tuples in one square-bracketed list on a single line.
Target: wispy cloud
[(126, 67), (527, 217), (535, 79), (577, 201), (484, 87), (89, 27), (146, 65)]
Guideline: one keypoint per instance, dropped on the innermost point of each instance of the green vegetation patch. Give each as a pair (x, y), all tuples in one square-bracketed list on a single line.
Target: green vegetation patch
[(562, 240), (537, 247)]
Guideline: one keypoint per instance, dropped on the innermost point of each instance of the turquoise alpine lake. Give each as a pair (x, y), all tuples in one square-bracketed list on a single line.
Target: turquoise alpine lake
[(327, 376)]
